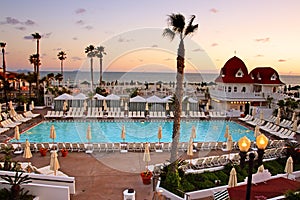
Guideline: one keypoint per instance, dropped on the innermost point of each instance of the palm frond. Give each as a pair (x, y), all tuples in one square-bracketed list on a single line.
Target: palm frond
[(169, 33), (177, 21), (190, 27)]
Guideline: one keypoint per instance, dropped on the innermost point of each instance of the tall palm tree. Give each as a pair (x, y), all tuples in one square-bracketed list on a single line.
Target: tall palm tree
[(2, 45), (62, 56), (30, 78), (178, 27), (99, 53), (90, 51), (37, 37), (33, 60)]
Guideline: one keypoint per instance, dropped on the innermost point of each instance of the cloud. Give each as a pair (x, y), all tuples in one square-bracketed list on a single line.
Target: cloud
[(124, 40), (76, 58), (46, 35), (80, 11), (282, 60), (57, 49), (21, 28), (263, 40), (198, 49), (11, 20), (154, 45), (75, 38), (28, 37), (80, 22), (141, 60), (214, 44), (259, 55), (88, 27), (29, 22), (213, 10), (168, 59)]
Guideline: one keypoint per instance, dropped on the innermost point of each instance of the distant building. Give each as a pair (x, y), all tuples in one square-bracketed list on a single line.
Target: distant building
[(236, 89)]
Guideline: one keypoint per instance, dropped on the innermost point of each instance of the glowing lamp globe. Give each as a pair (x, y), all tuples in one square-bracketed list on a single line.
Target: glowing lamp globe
[(262, 141), (244, 144)]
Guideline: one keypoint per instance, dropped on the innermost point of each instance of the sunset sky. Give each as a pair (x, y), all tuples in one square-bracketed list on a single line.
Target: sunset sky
[(261, 33)]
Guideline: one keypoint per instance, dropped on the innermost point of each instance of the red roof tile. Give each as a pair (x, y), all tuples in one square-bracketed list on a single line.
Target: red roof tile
[(265, 75)]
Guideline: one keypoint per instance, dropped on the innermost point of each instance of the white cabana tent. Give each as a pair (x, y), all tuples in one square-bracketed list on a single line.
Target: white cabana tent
[(137, 103), (155, 103), (113, 100), (98, 100), (59, 101)]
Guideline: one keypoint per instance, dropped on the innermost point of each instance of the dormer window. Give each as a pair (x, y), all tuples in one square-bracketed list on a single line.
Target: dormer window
[(258, 76), (273, 77), (251, 76), (239, 73)]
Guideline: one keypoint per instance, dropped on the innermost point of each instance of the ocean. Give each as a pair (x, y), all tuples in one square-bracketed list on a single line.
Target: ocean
[(80, 76)]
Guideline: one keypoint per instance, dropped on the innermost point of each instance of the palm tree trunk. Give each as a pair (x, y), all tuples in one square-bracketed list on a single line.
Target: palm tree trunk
[(100, 71), (92, 74), (178, 101), (62, 70), (38, 71), (4, 77)]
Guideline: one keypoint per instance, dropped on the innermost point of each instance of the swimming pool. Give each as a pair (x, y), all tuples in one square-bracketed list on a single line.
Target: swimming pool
[(72, 131)]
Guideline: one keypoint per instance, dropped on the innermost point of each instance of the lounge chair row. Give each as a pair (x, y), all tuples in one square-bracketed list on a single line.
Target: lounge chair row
[(284, 133)]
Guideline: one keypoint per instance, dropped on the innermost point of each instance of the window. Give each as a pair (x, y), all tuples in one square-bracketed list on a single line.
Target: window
[(235, 89), (244, 89), (274, 77), (239, 73), (229, 89)]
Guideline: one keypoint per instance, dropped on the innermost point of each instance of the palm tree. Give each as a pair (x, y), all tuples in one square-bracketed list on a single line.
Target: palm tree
[(62, 56), (37, 37), (30, 78), (2, 45), (90, 51), (178, 27), (99, 54), (33, 60), (59, 78)]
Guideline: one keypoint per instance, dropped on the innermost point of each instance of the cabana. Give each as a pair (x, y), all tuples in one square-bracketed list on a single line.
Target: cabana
[(137, 103), (98, 100), (155, 103), (59, 101), (78, 100), (113, 100)]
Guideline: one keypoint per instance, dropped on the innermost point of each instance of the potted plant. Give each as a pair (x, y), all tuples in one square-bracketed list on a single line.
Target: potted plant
[(146, 177), (64, 152), (43, 151)]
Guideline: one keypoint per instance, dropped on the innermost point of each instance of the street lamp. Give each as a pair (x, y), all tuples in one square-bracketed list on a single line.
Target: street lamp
[(244, 145)]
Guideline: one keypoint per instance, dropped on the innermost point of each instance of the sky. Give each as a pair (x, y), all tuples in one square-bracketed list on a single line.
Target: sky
[(261, 33)]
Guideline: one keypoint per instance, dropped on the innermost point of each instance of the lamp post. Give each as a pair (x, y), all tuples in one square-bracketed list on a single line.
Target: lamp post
[(244, 145)]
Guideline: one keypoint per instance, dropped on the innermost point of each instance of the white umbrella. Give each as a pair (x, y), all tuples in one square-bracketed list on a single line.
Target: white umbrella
[(253, 111), (159, 134), (289, 166), (229, 143), (294, 116), (207, 105), (260, 169), (10, 105), (193, 133), (123, 133), (104, 105), (88, 133), (187, 106), (277, 122), (65, 106), (146, 107), (84, 105), (17, 134), (190, 148), (25, 108), (27, 152), (226, 131), (125, 106), (167, 106), (295, 125), (232, 178), (146, 157), (54, 164), (122, 103), (32, 105), (52, 133), (256, 131), (12, 112), (261, 115)]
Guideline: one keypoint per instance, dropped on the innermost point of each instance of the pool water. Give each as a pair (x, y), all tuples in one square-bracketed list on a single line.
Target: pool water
[(206, 131)]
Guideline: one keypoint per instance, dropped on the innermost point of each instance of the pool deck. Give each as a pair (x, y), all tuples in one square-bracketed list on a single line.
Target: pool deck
[(103, 175)]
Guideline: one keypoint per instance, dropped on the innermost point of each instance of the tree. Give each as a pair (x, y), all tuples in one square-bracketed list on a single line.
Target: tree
[(62, 56), (99, 54), (178, 27), (33, 60), (59, 78), (30, 78), (2, 45), (90, 51), (37, 37)]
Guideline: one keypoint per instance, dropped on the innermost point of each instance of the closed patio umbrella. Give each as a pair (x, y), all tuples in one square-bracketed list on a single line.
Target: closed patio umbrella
[(146, 157), (289, 166), (193, 133), (54, 164), (12, 112), (32, 105), (84, 105), (295, 125), (52, 133), (25, 109), (256, 131), (232, 178), (167, 106), (27, 152), (261, 115), (17, 134), (159, 134), (293, 117), (253, 111), (187, 106), (125, 106), (190, 152), (226, 131), (277, 122), (146, 107), (123, 133), (104, 105), (229, 143), (88, 133), (65, 106), (261, 168)]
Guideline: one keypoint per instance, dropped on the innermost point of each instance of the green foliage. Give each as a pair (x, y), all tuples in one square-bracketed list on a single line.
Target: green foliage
[(290, 195)]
